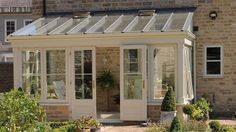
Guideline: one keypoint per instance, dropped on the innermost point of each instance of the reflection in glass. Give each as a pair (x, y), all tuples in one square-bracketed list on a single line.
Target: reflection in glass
[(163, 70), (31, 72), (56, 86), (83, 74), (132, 74)]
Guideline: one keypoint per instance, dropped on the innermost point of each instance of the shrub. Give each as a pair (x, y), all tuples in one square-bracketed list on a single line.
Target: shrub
[(169, 103), (176, 125), (43, 127), (194, 126), (188, 109), (215, 125), (20, 112), (157, 128), (227, 129)]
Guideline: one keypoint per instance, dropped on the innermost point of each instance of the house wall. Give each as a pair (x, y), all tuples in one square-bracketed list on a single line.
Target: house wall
[(221, 31), (95, 5)]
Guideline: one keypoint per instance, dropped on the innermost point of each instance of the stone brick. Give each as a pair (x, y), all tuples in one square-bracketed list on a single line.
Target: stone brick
[(57, 112)]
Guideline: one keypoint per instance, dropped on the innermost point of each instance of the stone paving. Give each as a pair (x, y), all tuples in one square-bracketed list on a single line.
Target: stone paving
[(123, 128)]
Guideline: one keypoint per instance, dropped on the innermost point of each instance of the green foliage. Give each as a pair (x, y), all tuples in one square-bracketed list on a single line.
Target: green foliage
[(194, 126), (215, 125), (169, 103), (176, 125), (106, 79), (199, 110), (83, 122), (227, 129), (94, 123), (20, 112), (43, 127), (188, 109)]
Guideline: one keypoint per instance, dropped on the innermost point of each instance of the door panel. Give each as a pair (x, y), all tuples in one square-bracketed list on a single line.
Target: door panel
[(133, 87), (84, 87)]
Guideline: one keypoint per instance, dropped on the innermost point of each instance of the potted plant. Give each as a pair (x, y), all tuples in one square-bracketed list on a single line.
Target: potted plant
[(82, 124), (168, 106), (95, 125), (106, 81)]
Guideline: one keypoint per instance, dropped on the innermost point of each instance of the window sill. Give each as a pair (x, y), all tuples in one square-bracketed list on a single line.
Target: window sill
[(213, 76)]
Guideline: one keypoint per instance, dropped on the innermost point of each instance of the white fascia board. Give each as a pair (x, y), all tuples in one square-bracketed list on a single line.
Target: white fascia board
[(167, 22), (97, 25), (150, 23), (62, 27), (188, 21), (44, 28), (131, 25), (114, 24)]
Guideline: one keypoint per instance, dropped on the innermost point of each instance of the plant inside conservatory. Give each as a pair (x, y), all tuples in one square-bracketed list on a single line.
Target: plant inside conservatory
[(106, 81)]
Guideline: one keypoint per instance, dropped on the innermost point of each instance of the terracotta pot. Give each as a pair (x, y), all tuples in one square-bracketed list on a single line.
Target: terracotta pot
[(83, 130), (95, 130)]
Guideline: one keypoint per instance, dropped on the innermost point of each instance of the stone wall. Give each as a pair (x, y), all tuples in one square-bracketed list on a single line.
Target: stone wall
[(98, 5), (221, 31), (57, 112), (6, 77), (108, 58)]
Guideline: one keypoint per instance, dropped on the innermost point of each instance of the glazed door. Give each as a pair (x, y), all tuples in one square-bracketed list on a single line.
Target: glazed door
[(133, 83), (83, 83)]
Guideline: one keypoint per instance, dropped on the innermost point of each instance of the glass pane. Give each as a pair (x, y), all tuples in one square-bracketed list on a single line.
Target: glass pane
[(177, 21), (32, 85), (213, 53), (133, 86), (87, 61), (213, 68), (56, 88), (31, 62), (132, 60), (141, 23), (159, 22), (55, 62), (108, 21), (123, 23), (163, 70), (83, 87), (91, 21)]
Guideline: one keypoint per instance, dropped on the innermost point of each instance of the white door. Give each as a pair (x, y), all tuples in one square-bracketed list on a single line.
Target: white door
[(83, 83), (133, 83)]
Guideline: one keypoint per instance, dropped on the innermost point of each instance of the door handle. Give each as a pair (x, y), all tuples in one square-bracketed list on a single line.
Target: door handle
[(143, 84)]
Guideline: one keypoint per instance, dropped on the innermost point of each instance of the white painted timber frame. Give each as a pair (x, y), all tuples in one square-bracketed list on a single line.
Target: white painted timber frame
[(71, 42), (133, 109)]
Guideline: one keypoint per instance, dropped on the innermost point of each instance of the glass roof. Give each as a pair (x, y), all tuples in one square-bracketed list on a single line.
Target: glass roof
[(110, 23)]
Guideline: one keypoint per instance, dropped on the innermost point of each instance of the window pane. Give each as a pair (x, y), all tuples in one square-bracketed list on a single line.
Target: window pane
[(88, 61), (133, 86), (213, 68), (56, 62), (213, 53), (83, 87), (132, 60), (31, 71), (163, 70), (56, 87)]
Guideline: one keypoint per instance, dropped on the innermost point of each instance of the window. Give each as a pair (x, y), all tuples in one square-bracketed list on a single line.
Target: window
[(27, 21), (31, 72), (55, 64), (162, 70), (10, 27), (213, 63)]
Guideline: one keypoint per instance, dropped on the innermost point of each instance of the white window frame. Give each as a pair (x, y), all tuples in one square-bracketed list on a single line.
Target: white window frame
[(5, 25), (25, 20), (221, 61), (151, 99)]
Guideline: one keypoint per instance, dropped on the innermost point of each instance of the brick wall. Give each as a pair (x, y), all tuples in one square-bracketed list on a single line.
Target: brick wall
[(95, 5), (6, 77), (221, 31), (112, 56), (57, 112)]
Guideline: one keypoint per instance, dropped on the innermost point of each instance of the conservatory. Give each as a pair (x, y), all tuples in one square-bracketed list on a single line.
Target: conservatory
[(57, 59)]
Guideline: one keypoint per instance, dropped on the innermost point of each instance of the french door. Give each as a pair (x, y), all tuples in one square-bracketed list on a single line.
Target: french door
[(133, 83), (83, 83)]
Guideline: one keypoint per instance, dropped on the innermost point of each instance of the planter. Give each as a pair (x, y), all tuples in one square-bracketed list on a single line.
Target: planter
[(167, 116), (83, 130), (95, 130)]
